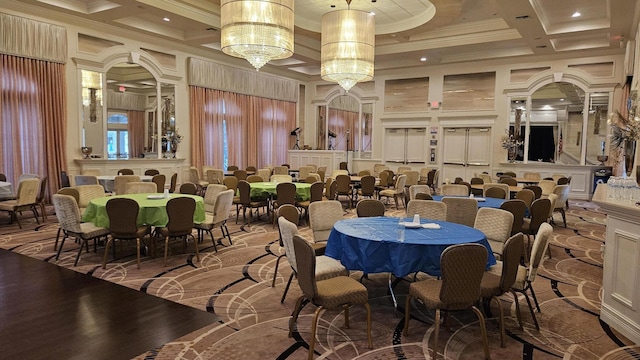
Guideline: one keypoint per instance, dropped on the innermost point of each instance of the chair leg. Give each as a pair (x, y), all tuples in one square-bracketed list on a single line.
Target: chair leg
[(166, 250), (314, 328), (294, 316), (138, 251), (564, 217), (500, 320), (346, 316), (84, 242), (275, 271), (284, 295), (483, 332), (366, 305), (55, 244), (407, 315), (518, 315), (106, 251), (436, 332), (195, 244), (225, 229), (213, 240), (533, 315), (61, 244)]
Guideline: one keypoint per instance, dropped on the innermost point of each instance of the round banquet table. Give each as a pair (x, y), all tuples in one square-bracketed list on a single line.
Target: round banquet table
[(371, 245), (152, 211), (268, 189)]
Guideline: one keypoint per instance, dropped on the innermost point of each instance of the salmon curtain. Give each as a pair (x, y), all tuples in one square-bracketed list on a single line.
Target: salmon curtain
[(136, 129)]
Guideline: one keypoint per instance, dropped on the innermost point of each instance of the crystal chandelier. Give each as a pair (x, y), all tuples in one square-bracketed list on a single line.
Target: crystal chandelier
[(348, 46), (257, 30)]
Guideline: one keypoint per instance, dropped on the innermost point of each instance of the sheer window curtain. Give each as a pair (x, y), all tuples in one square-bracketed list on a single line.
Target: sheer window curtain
[(33, 118), (136, 132)]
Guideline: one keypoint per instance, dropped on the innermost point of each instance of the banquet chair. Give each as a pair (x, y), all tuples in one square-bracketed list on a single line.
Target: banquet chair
[(458, 180), (364, 172), (476, 181), (458, 289), (335, 293), (240, 174), (344, 188), (180, 211), (278, 178), (509, 173), (159, 181), (247, 202), (403, 169), (26, 197), (194, 177), (509, 181), (486, 178), (383, 184), (367, 186), (415, 189), (322, 216), (231, 182), (40, 199), (215, 176), (461, 210), (427, 209), (125, 172), (232, 168), (285, 194), (68, 215), (123, 215), (537, 191), (173, 183), (304, 171), (488, 192), (454, 190), (291, 214), (369, 208), (264, 174), (85, 180), (188, 188), (563, 181), (216, 216), (140, 187), (526, 275), (3, 177), (254, 178), (531, 175), (280, 170), (526, 195), (327, 267), (121, 182), (322, 171), (313, 177), (250, 168), (436, 181), (397, 192), (547, 186), (496, 225), (316, 195), (412, 177), (87, 193), (76, 195), (538, 214), (562, 191), (518, 208), (343, 166), (494, 285), (424, 176), (151, 172), (335, 173), (423, 196), (64, 179)]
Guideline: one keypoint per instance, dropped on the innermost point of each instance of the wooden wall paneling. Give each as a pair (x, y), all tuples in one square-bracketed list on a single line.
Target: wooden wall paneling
[(469, 91)]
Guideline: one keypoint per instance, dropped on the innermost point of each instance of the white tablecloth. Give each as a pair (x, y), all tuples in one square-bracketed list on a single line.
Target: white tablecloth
[(108, 181), (6, 189)]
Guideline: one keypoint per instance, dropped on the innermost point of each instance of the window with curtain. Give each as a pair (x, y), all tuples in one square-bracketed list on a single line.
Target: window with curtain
[(235, 129)]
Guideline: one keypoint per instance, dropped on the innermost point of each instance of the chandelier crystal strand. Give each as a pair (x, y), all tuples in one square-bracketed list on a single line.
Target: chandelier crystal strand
[(348, 47), (257, 30)]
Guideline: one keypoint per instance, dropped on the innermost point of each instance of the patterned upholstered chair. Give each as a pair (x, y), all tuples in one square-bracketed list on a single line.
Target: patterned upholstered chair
[(518, 208), (216, 214), (547, 186), (369, 208), (180, 211), (121, 183), (427, 209), (397, 192), (151, 172), (415, 189), (159, 180), (188, 188), (26, 200), (496, 225), (215, 176), (526, 195), (563, 196), (140, 187), (85, 180), (88, 192), (125, 172), (278, 178), (322, 216), (461, 210), (454, 190), (123, 214)]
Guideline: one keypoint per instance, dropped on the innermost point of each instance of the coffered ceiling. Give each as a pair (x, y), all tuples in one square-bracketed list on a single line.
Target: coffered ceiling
[(409, 33)]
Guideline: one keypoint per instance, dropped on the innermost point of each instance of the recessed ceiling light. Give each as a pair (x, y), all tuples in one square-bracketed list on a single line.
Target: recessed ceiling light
[(166, 19), (423, 59), (547, 107), (373, 13), (576, 14), (561, 99)]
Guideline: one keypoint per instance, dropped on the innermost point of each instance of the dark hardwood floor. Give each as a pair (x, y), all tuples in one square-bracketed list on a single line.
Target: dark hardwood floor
[(47, 312)]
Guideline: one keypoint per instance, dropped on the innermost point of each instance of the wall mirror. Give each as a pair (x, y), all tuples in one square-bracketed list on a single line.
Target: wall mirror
[(348, 125)]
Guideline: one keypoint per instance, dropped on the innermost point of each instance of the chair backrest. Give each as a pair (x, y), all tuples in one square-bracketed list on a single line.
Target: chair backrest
[(415, 189), (511, 254), (369, 208), (531, 175), (64, 179), (537, 190), (180, 211), (344, 184), (378, 168), (431, 178), (88, 192), (412, 177), (335, 173), (316, 191), (424, 175), (211, 196), (215, 176), (553, 199), (539, 213), (368, 185), (289, 212), (526, 195), (222, 206), (343, 165), (151, 172), (173, 182), (476, 181), (454, 190), (563, 195), (3, 177), (281, 170), (509, 173), (518, 209), (509, 181), (322, 171), (71, 191), (232, 168), (188, 188), (244, 191), (250, 168), (461, 284), (494, 223), (306, 262), (547, 186), (121, 182), (423, 196), (27, 191), (364, 172), (231, 182), (254, 178), (286, 193), (123, 214), (125, 172), (313, 177), (563, 181), (264, 174), (304, 171), (85, 180), (538, 249), (403, 169), (140, 187), (159, 180), (322, 216), (240, 174), (427, 209), (487, 192), (194, 175), (43, 189), (461, 210), (400, 183), (278, 178), (384, 174), (486, 178), (67, 212), (288, 230)]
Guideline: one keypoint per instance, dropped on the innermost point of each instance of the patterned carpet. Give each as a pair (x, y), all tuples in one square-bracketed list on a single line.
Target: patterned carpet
[(235, 283)]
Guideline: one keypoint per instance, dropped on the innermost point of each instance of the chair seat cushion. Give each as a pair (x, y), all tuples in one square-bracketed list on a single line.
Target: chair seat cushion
[(327, 267), (521, 276), (496, 246), (142, 232), (490, 285), (338, 291), (89, 230), (388, 192), (428, 291), (8, 205), (319, 247), (207, 224)]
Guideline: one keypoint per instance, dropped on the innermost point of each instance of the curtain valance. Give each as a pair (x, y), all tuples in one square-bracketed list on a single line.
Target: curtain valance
[(126, 101), (32, 39)]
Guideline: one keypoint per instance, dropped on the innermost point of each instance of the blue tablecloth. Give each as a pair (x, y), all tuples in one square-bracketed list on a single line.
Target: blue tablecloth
[(488, 202), (371, 245)]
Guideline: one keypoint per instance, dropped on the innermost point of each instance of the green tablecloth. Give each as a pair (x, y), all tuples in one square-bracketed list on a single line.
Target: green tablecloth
[(152, 211), (267, 189)]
